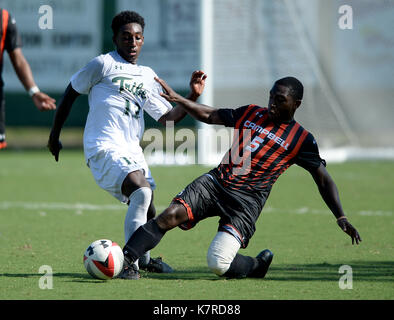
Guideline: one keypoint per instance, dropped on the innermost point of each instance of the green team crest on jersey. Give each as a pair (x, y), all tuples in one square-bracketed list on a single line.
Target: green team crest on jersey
[(127, 84)]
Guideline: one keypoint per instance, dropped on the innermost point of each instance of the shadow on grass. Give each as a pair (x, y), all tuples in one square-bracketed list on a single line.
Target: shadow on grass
[(374, 271), (191, 274)]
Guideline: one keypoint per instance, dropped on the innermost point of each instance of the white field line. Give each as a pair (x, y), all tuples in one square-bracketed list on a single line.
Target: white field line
[(306, 210), (5, 205), (80, 207)]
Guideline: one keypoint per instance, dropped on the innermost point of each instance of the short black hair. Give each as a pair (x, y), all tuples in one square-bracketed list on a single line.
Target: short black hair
[(126, 17), (295, 86)]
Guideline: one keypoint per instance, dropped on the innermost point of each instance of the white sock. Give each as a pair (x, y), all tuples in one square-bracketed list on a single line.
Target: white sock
[(136, 214), (221, 252)]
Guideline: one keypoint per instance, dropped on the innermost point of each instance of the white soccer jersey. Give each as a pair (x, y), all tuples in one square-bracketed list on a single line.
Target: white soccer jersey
[(118, 92)]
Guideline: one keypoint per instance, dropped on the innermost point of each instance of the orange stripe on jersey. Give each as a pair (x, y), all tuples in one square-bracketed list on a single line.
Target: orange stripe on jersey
[(276, 154), (4, 26), (238, 138), (241, 142), (239, 134), (288, 141), (268, 145), (238, 123), (294, 152), (256, 158)]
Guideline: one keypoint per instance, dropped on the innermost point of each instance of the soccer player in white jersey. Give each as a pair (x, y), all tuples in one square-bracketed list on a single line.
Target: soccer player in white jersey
[(119, 90)]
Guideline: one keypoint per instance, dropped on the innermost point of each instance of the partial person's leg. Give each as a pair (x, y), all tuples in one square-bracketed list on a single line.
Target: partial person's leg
[(139, 193), (188, 207), (130, 182), (141, 209), (150, 234), (152, 209), (222, 252), (3, 143), (224, 260), (145, 260)]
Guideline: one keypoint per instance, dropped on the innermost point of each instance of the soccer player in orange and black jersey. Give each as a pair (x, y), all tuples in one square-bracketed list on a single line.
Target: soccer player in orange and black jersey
[(260, 153), (267, 141), (10, 41)]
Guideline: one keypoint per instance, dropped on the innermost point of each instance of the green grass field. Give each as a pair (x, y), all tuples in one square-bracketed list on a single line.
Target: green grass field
[(50, 212)]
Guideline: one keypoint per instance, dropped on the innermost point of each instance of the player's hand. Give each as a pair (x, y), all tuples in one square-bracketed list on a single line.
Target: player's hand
[(197, 83), (54, 145), (346, 227), (44, 102), (169, 94)]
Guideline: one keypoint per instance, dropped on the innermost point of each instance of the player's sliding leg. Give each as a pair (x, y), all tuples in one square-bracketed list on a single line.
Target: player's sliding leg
[(222, 252), (148, 236), (140, 206), (224, 260), (145, 262), (244, 266), (145, 238)]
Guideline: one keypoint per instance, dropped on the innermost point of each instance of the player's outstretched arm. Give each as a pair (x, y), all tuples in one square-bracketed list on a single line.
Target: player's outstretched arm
[(330, 195), (41, 100), (198, 111), (63, 110), (197, 85)]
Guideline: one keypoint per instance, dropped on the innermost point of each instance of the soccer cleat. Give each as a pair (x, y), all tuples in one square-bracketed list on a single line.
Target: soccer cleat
[(265, 259), (156, 265), (129, 272), (3, 144)]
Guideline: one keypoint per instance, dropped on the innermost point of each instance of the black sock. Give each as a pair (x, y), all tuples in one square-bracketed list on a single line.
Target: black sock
[(241, 266), (143, 239)]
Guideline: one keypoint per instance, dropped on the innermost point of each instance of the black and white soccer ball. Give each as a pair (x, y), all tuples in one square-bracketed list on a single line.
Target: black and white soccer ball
[(103, 259)]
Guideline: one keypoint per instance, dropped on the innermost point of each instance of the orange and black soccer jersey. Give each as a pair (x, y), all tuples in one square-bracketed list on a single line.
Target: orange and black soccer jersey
[(237, 189), (262, 151), (9, 38)]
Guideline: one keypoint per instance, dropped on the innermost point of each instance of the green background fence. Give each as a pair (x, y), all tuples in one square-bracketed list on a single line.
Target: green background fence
[(20, 110)]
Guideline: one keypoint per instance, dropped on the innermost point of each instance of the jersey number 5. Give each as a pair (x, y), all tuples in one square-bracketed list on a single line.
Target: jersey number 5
[(254, 145)]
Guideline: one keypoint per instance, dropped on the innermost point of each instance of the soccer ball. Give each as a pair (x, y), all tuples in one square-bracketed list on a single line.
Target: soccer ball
[(103, 259)]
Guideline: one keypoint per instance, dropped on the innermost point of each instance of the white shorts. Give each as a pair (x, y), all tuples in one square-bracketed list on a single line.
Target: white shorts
[(110, 168)]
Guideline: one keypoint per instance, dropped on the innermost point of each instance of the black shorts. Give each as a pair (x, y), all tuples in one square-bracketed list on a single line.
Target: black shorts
[(238, 211)]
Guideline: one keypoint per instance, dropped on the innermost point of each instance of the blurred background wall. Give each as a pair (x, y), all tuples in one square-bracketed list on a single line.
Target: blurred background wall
[(348, 73)]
